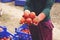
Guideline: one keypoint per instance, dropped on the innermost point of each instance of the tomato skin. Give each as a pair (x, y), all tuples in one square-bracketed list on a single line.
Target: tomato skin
[(5, 38), (1, 39), (35, 21), (32, 15), (26, 14), (26, 31), (28, 20), (22, 20)]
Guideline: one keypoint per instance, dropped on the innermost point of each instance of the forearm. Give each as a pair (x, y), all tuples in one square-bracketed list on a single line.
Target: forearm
[(46, 12), (48, 7)]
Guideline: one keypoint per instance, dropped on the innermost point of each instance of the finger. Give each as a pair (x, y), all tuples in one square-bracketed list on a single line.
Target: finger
[(35, 24)]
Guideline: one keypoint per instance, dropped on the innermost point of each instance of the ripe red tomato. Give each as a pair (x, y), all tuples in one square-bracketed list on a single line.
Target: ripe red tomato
[(32, 15), (28, 20), (26, 31), (22, 20), (26, 14), (5, 38), (23, 30), (35, 20), (9, 38), (1, 39)]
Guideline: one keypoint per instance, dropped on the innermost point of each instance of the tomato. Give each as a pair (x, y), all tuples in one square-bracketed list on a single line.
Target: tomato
[(26, 31), (8, 38), (28, 20), (26, 14), (32, 15), (1, 39), (27, 11), (5, 38), (22, 20), (35, 20)]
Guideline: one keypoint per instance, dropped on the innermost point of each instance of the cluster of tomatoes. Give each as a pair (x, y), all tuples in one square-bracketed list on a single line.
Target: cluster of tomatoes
[(28, 18), (5, 38)]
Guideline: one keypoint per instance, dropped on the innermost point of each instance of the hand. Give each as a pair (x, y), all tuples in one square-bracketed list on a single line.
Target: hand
[(36, 20), (39, 18)]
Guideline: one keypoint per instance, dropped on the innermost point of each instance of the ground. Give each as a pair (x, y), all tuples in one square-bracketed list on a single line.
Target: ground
[(12, 14)]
